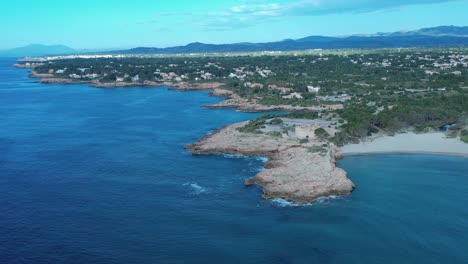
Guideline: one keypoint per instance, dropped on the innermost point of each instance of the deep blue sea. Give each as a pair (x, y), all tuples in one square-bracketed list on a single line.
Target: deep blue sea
[(96, 176)]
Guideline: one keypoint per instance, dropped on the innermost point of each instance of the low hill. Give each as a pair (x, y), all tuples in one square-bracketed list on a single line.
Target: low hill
[(443, 36)]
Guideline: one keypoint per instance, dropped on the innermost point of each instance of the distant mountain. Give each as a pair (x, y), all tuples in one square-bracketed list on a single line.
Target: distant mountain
[(437, 31), (443, 36), (37, 50)]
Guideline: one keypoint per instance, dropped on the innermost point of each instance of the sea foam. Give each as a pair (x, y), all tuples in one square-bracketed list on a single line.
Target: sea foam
[(197, 189), (280, 202), (263, 159)]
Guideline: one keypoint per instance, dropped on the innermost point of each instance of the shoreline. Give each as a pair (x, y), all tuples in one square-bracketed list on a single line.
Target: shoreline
[(454, 154), (434, 143), (232, 100), (48, 78), (292, 172)]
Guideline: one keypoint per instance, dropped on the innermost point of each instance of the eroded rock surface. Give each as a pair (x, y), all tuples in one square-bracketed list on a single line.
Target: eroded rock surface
[(294, 171)]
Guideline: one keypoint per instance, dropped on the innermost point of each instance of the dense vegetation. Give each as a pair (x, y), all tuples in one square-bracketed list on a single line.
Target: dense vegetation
[(464, 135), (384, 90), (419, 113)]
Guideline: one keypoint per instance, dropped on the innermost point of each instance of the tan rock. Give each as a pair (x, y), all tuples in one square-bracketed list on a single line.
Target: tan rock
[(292, 172), (34, 74)]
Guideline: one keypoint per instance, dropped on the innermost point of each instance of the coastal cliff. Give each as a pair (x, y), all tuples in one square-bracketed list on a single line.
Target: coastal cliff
[(295, 172)]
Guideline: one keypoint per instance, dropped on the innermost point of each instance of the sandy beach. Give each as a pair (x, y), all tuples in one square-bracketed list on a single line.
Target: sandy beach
[(431, 143)]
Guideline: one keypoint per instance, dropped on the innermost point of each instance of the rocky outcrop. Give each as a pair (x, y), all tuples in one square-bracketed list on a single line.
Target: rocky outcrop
[(180, 86), (294, 171), (197, 87), (26, 65), (34, 74), (61, 81), (222, 92)]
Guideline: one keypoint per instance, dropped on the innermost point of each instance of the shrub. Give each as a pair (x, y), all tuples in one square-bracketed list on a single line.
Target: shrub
[(321, 133), (464, 135), (276, 121), (253, 126), (464, 138), (303, 114), (317, 149), (275, 134)]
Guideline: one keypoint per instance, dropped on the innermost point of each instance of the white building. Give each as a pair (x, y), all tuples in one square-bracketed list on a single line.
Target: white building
[(135, 78), (293, 95), (313, 89), (74, 76)]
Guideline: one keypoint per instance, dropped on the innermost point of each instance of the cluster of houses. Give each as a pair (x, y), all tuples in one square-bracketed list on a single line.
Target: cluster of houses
[(297, 95), (242, 73), (443, 62)]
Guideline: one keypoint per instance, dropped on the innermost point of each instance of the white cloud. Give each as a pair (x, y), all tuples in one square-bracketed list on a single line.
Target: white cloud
[(322, 7), (252, 12)]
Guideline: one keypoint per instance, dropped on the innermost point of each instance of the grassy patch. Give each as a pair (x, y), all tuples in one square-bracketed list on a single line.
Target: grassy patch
[(464, 135), (255, 125), (275, 134), (317, 149), (464, 139), (276, 121)]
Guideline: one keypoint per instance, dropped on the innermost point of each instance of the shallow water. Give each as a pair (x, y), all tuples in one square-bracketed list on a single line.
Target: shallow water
[(100, 176)]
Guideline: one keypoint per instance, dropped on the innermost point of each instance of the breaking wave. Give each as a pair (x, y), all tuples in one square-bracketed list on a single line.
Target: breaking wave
[(328, 199), (280, 202), (197, 189), (238, 156), (262, 159)]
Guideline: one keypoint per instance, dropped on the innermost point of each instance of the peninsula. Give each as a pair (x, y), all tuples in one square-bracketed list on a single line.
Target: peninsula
[(299, 171)]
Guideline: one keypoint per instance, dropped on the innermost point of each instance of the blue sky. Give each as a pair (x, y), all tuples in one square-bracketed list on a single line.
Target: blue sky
[(160, 23)]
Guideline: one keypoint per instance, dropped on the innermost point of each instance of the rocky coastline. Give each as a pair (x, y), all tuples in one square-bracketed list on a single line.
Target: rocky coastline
[(49, 78), (294, 172), (26, 65), (232, 99)]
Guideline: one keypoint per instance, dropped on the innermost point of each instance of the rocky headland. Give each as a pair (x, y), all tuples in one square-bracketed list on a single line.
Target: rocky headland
[(50, 78), (27, 65), (295, 172)]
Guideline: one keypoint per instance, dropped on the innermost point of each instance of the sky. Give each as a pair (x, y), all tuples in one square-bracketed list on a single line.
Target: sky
[(110, 24)]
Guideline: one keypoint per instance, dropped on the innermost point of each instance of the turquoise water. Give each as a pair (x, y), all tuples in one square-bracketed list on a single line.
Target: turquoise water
[(100, 176)]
